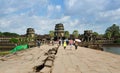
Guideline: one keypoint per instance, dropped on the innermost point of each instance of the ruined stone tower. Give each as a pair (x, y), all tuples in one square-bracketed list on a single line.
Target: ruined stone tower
[(59, 30), (30, 33)]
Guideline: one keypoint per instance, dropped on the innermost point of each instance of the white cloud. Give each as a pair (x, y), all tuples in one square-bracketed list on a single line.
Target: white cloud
[(50, 8), (84, 6), (42, 25), (9, 6), (113, 14), (65, 18), (53, 10), (93, 12), (4, 23), (58, 7), (9, 10), (18, 15), (71, 3), (108, 17), (90, 9)]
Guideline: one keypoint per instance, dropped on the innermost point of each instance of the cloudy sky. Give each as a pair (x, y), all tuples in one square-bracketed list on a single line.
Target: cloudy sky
[(42, 15)]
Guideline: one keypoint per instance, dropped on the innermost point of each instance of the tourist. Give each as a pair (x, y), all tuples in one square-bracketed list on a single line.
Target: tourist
[(65, 44), (59, 42), (76, 44), (71, 43), (52, 42), (67, 41), (38, 43)]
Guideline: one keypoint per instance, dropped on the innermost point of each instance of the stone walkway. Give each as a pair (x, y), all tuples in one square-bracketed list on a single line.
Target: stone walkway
[(69, 60), (84, 60), (24, 61)]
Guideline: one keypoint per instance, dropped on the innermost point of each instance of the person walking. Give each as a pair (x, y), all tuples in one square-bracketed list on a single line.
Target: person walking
[(38, 43), (65, 44), (71, 43), (76, 44)]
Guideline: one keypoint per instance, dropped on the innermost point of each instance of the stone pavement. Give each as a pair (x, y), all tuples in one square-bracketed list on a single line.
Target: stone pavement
[(85, 60), (24, 61)]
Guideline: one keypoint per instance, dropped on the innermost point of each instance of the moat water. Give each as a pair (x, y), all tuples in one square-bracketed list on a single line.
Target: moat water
[(115, 50)]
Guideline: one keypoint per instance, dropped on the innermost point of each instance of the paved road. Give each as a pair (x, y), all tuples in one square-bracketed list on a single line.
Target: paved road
[(84, 60)]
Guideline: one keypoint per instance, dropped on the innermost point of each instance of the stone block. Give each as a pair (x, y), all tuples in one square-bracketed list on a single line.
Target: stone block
[(46, 70), (48, 63)]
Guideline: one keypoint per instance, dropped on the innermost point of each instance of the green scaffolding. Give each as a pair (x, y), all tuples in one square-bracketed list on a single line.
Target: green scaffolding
[(18, 48)]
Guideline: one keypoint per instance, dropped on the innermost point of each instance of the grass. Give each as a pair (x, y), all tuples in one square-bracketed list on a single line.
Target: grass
[(4, 53)]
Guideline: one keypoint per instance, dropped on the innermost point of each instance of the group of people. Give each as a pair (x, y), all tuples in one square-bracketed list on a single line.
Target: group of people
[(64, 43), (71, 43)]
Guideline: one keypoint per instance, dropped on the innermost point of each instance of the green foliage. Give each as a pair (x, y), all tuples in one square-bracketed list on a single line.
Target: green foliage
[(23, 41), (113, 30), (4, 53), (75, 33), (95, 33), (8, 34), (67, 34), (51, 34), (117, 41), (101, 35), (108, 35), (1, 34), (14, 40)]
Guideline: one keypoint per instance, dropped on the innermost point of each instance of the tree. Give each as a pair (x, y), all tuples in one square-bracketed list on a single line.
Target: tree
[(108, 35), (95, 33), (25, 40), (14, 40), (113, 31), (75, 33), (67, 34), (1, 34), (10, 34), (51, 34)]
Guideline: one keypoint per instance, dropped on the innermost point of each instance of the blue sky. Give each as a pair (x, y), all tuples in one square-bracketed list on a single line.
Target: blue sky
[(42, 15)]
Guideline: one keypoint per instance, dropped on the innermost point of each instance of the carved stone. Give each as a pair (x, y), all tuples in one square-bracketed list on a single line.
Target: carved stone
[(88, 35), (59, 30), (30, 33)]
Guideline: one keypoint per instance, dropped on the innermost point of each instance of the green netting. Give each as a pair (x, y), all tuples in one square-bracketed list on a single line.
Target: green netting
[(18, 48)]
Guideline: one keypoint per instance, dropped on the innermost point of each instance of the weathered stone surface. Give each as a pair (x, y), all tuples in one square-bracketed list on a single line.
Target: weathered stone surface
[(85, 60), (48, 63), (88, 35), (46, 70), (24, 61)]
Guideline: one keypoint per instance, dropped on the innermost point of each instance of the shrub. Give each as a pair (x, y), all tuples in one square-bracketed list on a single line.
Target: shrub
[(14, 40), (117, 41)]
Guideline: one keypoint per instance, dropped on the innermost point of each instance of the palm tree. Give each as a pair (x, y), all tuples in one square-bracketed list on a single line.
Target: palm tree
[(51, 34), (75, 33), (108, 35), (67, 35)]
